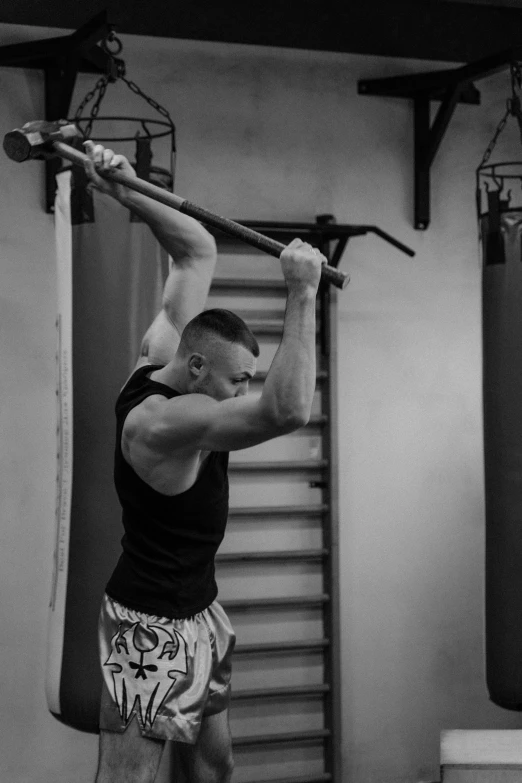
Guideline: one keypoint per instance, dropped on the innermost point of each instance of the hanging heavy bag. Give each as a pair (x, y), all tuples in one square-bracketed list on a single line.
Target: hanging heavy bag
[(501, 231), (110, 277), (502, 395)]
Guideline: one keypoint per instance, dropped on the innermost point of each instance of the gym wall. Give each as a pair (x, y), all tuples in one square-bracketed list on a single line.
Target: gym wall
[(280, 134)]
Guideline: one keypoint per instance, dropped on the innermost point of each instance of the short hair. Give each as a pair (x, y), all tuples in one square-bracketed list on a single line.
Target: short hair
[(224, 324)]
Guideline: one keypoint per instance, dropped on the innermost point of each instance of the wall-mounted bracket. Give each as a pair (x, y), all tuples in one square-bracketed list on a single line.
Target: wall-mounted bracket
[(450, 87), (62, 59)]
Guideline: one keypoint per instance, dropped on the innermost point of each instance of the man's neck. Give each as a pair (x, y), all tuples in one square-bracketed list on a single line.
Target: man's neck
[(171, 375)]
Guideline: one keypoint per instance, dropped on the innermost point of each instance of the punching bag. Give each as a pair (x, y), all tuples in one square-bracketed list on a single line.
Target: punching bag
[(110, 278), (501, 232)]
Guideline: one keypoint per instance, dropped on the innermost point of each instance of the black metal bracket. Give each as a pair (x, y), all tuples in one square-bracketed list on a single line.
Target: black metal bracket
[(62, 59), (450, 87), (323, 232)]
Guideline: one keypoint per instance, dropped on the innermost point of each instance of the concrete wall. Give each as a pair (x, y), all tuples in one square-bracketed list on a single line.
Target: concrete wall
[(280, 134)]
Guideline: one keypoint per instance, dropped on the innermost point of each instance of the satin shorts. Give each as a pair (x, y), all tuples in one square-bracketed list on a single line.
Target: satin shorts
[(170, 674)]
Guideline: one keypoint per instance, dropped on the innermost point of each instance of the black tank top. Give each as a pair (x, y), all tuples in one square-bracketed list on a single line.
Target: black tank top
[(167, 564)]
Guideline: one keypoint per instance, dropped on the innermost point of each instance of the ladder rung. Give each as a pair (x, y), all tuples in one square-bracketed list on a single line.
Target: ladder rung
[(319, 420), (260, 325), (274, 603), (246, 284), (278, 511), (264, 315), (320, 777), (295, 691), (286, 555), (266, 327), (290, 738), (308, 464), (261, 648), (261, 376), (316, 421)]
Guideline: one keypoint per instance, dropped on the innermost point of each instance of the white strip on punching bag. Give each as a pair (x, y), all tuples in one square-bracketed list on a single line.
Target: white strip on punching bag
[(64, 399), (110, 275)]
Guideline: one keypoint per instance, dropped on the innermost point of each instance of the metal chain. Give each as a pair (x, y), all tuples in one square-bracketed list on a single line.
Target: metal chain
[(155, 105), (514, 104), (492, 143), (100, 88), (513, 107)]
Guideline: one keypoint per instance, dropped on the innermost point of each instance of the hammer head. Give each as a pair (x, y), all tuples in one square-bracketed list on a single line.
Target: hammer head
[(34, 139)]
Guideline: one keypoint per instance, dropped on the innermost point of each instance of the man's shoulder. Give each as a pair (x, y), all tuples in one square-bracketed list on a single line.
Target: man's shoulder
[(178, 410), (159, 441), (180, 405), (141, 369)]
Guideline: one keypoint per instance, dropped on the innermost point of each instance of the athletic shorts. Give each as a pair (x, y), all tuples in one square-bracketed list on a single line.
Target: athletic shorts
[(169, 673)]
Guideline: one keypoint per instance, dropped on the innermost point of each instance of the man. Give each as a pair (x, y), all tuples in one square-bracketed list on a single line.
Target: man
[(179, 414)]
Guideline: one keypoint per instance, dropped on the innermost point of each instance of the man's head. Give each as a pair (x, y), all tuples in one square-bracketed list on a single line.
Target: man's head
[(219, 352)]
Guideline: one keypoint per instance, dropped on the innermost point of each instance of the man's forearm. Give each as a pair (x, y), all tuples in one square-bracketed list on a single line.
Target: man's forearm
[(290, 384), (181, 236)]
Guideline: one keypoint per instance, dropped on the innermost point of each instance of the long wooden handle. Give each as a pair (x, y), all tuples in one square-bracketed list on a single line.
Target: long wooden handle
[(248, 235)]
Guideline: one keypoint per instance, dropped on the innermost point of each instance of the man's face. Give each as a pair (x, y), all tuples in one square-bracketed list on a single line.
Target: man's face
[(226, 371)]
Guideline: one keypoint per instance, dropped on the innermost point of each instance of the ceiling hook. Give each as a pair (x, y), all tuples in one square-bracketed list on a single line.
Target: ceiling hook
[(112, 44)]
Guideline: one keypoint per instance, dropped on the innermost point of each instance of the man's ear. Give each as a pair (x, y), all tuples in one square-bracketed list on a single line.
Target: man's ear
[(196, 363)]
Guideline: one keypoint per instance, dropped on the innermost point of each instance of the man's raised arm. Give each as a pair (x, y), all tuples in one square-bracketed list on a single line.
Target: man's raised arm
[(189, 244), (198, 422)]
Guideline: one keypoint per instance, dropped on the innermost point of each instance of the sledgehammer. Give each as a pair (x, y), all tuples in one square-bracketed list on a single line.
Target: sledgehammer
[(41, 140)]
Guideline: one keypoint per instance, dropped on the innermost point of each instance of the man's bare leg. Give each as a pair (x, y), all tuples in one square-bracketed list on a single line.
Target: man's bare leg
[(210, 759), (127, 757)]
